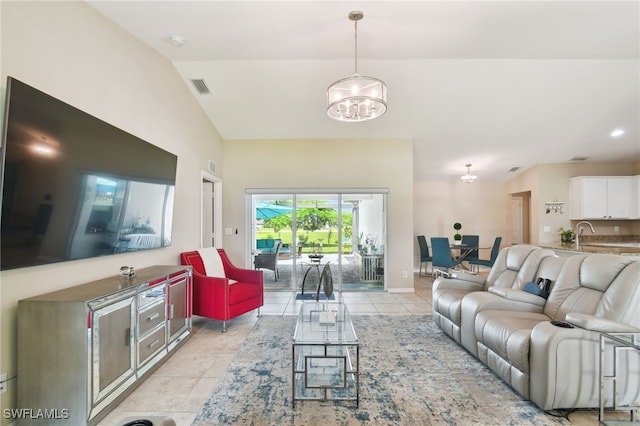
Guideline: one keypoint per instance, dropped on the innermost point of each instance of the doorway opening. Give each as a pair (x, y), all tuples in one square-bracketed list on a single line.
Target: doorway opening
[(296, 235), (520, 218), (210, 211)]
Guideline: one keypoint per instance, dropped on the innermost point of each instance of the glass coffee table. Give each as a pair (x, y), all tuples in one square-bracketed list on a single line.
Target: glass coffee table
[(325, 363)]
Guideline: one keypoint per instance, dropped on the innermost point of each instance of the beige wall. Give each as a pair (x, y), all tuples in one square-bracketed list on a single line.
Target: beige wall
[(482, 208), (325, 164), (550, 182), (74, 54)]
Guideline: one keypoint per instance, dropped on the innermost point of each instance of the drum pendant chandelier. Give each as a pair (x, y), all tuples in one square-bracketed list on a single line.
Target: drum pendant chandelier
[(356, 98), (468, 178)]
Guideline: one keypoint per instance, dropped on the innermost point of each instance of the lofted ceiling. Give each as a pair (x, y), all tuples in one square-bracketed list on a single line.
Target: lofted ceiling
[(498, 84)]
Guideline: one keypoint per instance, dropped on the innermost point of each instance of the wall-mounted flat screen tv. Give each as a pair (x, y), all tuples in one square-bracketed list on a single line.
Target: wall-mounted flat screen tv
[(74, 186)]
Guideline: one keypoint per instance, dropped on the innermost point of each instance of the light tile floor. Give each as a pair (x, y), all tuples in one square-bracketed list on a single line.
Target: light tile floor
[(182, 384)]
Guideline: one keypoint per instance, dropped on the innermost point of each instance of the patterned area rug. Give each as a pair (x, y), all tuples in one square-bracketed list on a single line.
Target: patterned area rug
[(411, 374)]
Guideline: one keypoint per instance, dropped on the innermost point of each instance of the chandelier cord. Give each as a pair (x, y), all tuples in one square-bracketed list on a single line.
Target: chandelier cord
[(355, 23)]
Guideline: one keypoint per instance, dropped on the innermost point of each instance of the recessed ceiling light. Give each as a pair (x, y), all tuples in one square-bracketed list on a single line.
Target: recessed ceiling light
[(617, 132)]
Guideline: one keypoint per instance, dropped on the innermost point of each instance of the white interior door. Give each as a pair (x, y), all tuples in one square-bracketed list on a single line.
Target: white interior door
[(516, 220)]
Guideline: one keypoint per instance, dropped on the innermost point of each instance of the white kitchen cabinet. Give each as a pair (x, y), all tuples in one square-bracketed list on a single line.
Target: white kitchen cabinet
[(601, 197)]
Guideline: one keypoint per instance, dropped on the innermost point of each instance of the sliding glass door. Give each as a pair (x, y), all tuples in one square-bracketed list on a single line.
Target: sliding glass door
[(296, 234)]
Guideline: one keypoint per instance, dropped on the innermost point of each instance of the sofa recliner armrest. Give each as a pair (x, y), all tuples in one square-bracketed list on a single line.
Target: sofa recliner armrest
[(558, 377), (517, 295), (468, 277), (593, 323), (457, 284)]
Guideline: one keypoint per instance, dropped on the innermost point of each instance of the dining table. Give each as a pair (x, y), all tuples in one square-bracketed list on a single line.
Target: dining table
[(466, 250)]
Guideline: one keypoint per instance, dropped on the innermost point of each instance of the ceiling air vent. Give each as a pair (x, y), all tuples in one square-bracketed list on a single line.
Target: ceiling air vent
[(577, 158), (513, 169), (200, 86)]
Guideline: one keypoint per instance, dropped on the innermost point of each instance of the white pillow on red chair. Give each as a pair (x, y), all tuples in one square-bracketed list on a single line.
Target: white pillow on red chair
[(212, 262)]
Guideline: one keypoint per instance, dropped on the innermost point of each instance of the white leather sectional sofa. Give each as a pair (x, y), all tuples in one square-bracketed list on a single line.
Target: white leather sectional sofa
[(510, 330)]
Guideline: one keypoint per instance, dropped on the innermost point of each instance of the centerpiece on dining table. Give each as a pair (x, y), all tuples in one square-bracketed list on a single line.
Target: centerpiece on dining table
[(457, 238)]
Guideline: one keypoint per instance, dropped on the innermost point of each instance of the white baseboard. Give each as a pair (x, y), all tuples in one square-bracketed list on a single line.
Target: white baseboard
[(401, 290)]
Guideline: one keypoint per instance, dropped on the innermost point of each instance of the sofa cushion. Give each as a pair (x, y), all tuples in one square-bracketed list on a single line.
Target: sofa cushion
[(516, 265), (508, 335), (598, 271), (621, 300), (581, 283), (265, 243)]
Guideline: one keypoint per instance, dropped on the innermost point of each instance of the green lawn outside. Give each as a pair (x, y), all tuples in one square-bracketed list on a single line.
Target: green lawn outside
[(328, 238)]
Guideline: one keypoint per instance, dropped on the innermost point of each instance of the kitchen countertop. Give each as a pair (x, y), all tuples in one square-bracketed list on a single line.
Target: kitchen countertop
[(625, 248)]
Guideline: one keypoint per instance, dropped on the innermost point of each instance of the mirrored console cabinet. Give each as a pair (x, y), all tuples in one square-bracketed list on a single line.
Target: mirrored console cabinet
[(83, 349)]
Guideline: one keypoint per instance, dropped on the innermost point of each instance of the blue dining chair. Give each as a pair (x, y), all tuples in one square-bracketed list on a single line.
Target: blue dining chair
[(441, 253), (471, 241), (470, 245), (494, 254), (424, 254)]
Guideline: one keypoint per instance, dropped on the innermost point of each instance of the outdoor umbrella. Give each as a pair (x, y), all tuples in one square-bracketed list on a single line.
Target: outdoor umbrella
[(268, 210)]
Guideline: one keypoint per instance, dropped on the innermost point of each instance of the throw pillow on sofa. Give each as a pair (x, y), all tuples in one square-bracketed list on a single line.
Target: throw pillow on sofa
[(541, 288)]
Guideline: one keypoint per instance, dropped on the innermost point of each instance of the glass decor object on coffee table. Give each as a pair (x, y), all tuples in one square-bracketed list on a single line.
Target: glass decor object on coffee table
[(619, 369), (325, 363)]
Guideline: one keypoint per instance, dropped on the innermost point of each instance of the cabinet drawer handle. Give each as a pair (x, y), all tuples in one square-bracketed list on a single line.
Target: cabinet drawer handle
[(153, 316), (152, 344)]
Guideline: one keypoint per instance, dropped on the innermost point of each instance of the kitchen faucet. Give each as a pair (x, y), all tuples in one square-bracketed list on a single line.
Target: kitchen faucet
[(579, 230)]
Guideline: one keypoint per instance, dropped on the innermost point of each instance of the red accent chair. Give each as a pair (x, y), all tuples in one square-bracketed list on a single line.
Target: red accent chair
[(222, 299)]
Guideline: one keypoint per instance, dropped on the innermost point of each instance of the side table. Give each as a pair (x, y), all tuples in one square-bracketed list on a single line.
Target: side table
[(622, 351)]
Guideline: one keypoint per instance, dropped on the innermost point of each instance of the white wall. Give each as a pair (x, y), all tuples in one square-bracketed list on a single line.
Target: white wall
[(325, 164), (482, 208), (69, 51)]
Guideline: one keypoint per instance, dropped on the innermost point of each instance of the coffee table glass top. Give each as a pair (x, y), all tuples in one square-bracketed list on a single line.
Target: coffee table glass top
[(324, 323)]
